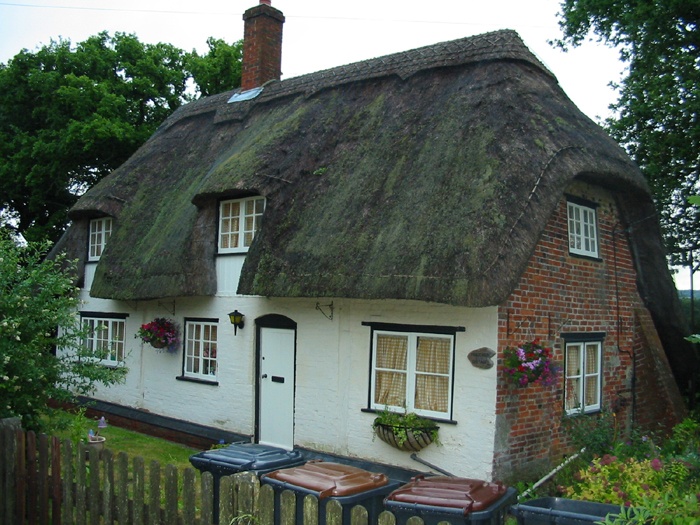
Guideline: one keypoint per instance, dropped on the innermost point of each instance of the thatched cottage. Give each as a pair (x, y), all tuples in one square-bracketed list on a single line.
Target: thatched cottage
[(384, 228)]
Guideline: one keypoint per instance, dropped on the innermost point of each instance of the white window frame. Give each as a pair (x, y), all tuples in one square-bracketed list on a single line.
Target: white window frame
[(201, 341), (106, 334), (237, 239), (412, 373), (583, 229), (577, 382), (100, 230)]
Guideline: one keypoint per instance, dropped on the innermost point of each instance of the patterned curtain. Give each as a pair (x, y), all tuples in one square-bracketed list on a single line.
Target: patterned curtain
[(432, 374), (391, 368)]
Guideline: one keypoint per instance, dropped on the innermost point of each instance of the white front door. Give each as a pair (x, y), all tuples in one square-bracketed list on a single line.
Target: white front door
[(276, 387)]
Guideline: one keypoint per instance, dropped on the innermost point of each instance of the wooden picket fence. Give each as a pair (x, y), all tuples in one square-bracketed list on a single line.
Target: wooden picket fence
[(44, 480)]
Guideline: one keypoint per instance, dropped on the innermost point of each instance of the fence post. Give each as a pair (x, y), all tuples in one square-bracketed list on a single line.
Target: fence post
[(56, 492), (20, 476), (8, 456)]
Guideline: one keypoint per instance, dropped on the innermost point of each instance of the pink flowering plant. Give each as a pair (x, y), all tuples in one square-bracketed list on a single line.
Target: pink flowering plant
[(159, 333), (530, 362)]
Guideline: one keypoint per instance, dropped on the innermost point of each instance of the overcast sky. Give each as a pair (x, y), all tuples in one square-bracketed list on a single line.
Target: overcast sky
[(319, 34)]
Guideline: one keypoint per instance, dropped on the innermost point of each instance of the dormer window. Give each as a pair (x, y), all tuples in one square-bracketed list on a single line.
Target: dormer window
[(100, 230), (239, 220), (583, 229)]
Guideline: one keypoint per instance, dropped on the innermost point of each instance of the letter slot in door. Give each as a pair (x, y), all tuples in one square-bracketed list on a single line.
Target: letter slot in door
[(277, 379)]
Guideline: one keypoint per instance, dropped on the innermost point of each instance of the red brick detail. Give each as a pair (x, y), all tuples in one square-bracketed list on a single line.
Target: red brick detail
[(262, 46), (560, 293)]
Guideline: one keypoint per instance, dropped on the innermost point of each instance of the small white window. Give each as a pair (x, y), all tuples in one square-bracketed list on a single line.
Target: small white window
[(583, 377), (105, 338), (583, 230), (200, 350), (239, 220), (100, 230), (412, 372)]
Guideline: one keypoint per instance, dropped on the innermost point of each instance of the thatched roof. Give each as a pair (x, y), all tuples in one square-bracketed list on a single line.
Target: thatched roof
[(426, 175)]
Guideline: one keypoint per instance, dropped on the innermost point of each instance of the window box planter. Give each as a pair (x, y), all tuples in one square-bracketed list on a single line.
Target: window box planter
[(407, 432)]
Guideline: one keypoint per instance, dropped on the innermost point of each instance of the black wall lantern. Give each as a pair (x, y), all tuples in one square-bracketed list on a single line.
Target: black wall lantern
[(236, 318)]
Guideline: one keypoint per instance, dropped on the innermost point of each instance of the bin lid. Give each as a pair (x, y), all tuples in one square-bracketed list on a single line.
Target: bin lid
[(470, 495), (330, 479), (247, 456)]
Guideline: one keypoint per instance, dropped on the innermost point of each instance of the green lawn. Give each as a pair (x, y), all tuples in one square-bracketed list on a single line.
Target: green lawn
[(148, 447), (75, 425)]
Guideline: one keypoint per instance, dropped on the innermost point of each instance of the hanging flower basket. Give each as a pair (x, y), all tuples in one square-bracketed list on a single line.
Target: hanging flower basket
[(408, 432), (529, 363), (159, 333)]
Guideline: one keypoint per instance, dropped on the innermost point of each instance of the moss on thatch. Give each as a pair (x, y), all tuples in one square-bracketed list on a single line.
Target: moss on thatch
[(424, 175)]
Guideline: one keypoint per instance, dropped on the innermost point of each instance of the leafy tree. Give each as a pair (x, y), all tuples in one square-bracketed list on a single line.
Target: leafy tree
[(219, 70), (659, 103), (68, 116), (37, 296)]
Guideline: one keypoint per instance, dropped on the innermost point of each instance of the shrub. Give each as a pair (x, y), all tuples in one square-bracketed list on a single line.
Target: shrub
[(621, 482), (38, 296)]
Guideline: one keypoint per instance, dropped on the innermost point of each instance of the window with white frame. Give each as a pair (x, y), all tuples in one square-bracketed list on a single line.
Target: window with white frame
[(239, 220), (105, 338), (100, 230), (583, 378), (583, 229), (412, 372), (200, 349)]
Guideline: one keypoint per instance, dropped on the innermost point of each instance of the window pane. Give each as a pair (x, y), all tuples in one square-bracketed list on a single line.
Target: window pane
[(433, 355), (106, 338), (238, 222), (391, 365), (582, 230), (592, 359), (390, 389), (573, 360), (201, 349), (100, 230), (573, 400), (432, 393), (392, 352), (432, 373), (591, 391)]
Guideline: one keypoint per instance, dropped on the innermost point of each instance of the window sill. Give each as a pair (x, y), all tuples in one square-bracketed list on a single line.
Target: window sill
[(197, 380), (437, 420), (595, 258), (579, 413)]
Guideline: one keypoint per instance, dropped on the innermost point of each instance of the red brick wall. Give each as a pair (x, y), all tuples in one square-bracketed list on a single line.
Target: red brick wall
[(560, 293), (262, 46)]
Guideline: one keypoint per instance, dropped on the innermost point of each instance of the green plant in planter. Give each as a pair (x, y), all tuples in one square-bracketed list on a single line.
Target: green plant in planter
[(405, 431)]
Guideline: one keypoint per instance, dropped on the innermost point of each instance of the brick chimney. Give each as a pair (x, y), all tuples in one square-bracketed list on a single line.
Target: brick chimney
[(262, 45)]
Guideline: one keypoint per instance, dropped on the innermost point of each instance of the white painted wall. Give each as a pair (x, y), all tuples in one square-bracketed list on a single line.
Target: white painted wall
[(332, 372)]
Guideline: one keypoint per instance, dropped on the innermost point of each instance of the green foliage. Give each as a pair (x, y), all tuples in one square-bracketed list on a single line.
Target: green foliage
[(36, 297), (219, 70), (602, 434), (660, 482), (659, 100), (403, 421), (685, 438), (617, 481), (70, 115)]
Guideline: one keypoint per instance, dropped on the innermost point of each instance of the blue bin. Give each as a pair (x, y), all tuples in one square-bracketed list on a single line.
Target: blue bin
[(243, 457), (561, 511)]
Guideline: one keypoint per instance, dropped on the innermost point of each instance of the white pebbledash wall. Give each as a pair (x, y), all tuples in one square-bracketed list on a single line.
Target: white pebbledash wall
[(332, 372)]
